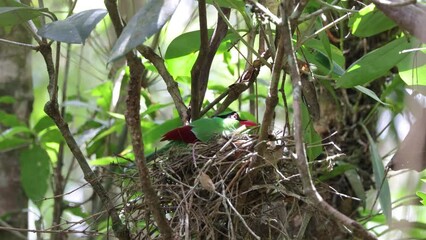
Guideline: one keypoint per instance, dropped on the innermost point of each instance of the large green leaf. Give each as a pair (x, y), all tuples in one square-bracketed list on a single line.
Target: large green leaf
[(317, 53), (74, 29), (44, 123), (374, 64), (179, 46), (380, 180), (146, 22), (369, 21), (412, 69), (35, 172), (13, 12)]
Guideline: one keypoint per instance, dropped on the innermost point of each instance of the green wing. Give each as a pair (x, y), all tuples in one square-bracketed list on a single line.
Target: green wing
[(207, 128)]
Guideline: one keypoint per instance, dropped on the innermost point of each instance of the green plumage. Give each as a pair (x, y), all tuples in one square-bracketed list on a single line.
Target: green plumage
[(207, 128)]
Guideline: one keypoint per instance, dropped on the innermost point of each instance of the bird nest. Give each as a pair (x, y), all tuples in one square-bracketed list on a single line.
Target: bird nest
[(222, 190)]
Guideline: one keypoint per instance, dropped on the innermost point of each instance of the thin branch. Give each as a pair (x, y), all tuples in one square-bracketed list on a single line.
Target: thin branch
[(7, 227), (334, 6), (395, 3), (19, 44), (272, 99), (133, 121), (201, 69), (52, 110), (326, 27), (246, 80), (300, 157), (198, 74), (214, 102), (225, 19), (172, 86)]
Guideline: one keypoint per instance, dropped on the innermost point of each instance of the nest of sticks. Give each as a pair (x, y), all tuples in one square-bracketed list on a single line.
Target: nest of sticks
[(223, 190)]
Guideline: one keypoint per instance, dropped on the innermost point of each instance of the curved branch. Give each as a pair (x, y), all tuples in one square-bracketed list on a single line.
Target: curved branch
[(172, 86), (133, 121)]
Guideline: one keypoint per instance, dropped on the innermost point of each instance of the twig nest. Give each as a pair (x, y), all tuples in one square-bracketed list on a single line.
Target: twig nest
[(220, 190)]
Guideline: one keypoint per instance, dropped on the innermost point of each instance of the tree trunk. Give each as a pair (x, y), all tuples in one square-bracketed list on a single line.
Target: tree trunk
[(15, 81)]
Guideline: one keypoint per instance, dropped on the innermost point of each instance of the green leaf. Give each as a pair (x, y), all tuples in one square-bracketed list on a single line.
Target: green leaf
[(239, 5), (14, 13), (77, 210), (154, 108), (9, 120), (14, 137), (75, 29), (14, 131), (145, 23), (104, 161), (356, 183), (374, 64), (422, 195), (369, 21), (181, 66), (326, 44), (319, 57), (235, 4), (179, 46), (44, 123), (52, 135), (338, 170), (104, 93), (380, 180), (7, 99), (311, 137), (370, 93), (7, 144), (412, 69), (35, 172), (154, 133)]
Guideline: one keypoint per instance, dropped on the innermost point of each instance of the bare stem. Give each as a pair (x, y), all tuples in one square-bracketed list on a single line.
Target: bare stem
[(133, 121), (301, 161)]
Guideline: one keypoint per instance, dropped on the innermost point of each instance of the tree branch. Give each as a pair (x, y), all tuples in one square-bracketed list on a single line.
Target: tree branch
[(52, 110), (196, 72), (300, 157), (201, 70), (172, 86), (133, 121)]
